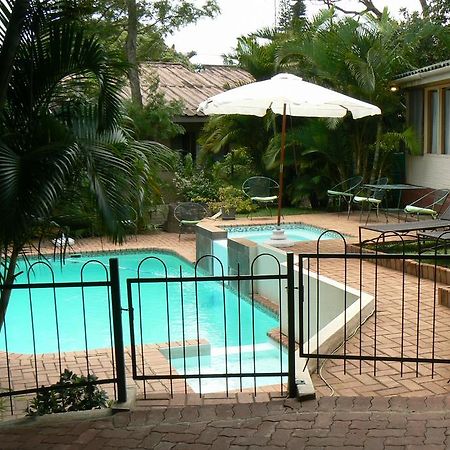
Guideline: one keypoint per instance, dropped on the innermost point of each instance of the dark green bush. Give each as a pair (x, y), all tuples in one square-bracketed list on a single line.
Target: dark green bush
[(192, 182), (71, 393)]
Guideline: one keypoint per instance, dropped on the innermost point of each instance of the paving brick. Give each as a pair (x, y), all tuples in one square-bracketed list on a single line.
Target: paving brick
[(245, 432), (164, 446), (85, 437), (435, 436), (222, 442), (295, 424), (280, 437), (326, 441), (180, 437)]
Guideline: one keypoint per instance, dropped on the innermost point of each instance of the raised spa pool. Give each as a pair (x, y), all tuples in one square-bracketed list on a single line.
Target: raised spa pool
[(293, 231)]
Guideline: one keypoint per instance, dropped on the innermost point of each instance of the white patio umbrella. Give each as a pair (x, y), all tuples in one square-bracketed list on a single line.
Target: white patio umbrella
[(286, 94)]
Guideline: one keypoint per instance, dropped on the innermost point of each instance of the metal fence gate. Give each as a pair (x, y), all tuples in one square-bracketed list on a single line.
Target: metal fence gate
[(234, 306)]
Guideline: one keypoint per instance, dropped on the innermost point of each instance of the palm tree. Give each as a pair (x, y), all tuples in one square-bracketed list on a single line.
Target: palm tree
[(358, 59), (61, 121)]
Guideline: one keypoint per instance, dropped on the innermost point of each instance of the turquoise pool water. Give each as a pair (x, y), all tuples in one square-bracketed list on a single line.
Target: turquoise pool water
[(152, 321), (293, 231)]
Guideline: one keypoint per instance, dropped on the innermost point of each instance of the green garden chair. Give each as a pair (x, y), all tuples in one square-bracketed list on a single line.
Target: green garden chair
[(262, 191), (372, 197), (345, 191), (189, 214), (429, 204)]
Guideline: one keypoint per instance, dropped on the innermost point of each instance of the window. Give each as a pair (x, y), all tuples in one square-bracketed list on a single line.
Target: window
[(447, 122), (437, 120), (434, 121), (415, 112)]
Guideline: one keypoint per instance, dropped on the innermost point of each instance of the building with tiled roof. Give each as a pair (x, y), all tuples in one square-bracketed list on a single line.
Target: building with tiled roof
[(190, 87)]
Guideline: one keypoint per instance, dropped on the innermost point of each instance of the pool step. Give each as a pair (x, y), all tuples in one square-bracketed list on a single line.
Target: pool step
[(267, 303), (242, 349)]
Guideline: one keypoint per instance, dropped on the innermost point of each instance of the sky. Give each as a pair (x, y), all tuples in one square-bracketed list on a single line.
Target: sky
[(211, 38)]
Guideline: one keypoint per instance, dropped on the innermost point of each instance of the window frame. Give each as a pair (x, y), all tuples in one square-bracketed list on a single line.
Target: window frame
[(441, 119)]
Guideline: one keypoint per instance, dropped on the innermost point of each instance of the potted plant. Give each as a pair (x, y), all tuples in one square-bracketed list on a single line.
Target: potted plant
[(230, 201)]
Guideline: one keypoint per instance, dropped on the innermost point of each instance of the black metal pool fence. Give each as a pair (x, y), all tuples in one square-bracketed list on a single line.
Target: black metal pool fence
[(297, 308)]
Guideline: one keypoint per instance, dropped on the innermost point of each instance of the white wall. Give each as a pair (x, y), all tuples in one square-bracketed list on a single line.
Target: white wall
[(428, 170), (332, 295)]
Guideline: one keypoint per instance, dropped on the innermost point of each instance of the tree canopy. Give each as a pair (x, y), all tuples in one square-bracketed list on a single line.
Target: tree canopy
[(357, 53)]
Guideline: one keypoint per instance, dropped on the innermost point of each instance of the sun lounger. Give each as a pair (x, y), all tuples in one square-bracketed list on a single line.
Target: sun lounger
[(440, 238), (442, 222)]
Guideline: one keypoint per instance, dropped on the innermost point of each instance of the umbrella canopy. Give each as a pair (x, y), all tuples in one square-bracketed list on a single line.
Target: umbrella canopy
[(286, 94)]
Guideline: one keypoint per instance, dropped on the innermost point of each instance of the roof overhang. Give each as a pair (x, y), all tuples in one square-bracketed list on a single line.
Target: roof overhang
[(424, 76), (190, 119)]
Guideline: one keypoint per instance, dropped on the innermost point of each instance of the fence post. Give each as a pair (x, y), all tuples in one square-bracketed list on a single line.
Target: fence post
[(292, 388), (118, 331)]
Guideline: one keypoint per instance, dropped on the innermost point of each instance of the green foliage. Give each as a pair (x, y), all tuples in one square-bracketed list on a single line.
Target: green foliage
[(62, 127), (155, 120), (156, 19), (290, 13), (255, 57), (427, 37), (248, 132), (356, 55), (47, 136), (231, 198), (71, 393), (234, 168), (192, 182)]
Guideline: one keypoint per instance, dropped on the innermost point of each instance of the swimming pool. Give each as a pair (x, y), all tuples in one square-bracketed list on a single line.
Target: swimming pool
[(293, 231), (245, 326)]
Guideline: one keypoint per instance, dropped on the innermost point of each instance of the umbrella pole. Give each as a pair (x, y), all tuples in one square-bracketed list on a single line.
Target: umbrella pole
[(283, 149)]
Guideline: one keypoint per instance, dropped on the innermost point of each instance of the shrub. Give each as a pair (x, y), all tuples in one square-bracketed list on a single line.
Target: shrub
[(192, 183), (70, 393), (235, 167), (231, 198)]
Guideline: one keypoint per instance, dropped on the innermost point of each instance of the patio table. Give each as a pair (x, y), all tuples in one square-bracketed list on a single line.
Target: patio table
[(399, 187)]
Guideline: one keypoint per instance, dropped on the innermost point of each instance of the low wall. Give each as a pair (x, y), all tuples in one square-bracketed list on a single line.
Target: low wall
[(205, 236), (411, 267), (330, 297)]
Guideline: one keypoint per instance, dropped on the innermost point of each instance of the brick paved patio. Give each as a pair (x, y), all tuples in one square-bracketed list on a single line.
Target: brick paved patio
[(250, 424)]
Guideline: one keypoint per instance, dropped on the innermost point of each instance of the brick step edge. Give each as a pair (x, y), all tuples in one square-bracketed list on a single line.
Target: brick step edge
[(427, 271)]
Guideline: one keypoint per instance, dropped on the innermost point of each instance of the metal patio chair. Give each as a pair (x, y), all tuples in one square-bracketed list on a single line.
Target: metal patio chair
[(429, 204), (261, 190), (372, 197), (345, 190), (189, 214)]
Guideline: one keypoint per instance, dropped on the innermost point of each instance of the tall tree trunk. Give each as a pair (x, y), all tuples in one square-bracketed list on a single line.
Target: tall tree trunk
[(130, 48), (10, 44), (9, 279), (425, 8), (376, 156)]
